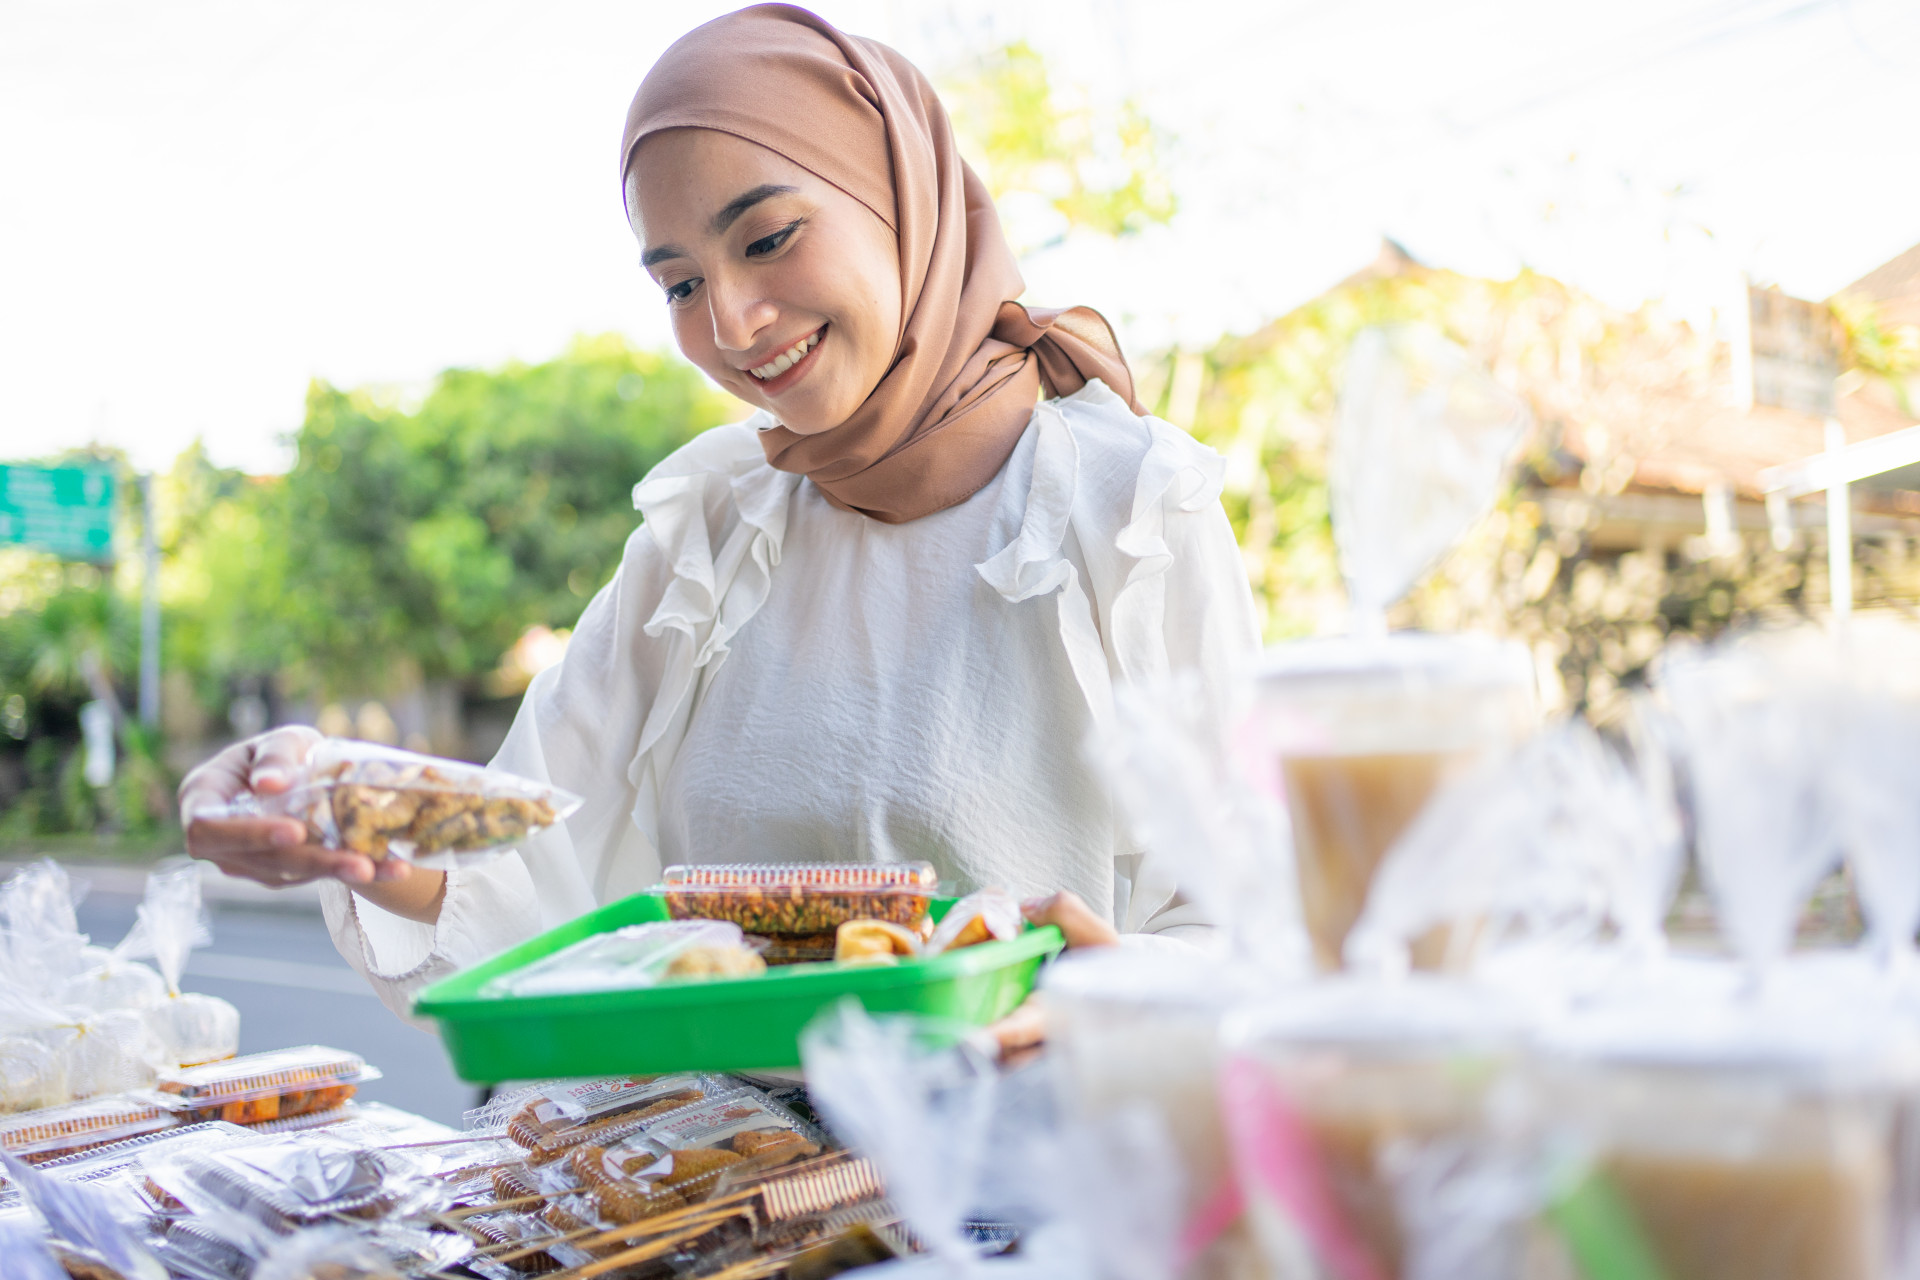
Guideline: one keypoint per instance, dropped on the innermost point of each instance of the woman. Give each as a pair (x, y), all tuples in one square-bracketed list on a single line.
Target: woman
[(877, 620)]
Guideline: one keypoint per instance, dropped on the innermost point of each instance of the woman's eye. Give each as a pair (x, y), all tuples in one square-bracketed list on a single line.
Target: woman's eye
[(767, 244), (682, 291)]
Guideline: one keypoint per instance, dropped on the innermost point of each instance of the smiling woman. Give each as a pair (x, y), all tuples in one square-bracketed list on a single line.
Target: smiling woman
[(878, 620)]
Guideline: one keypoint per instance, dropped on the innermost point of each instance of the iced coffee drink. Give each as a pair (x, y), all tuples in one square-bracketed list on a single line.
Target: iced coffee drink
[(1362, 733)]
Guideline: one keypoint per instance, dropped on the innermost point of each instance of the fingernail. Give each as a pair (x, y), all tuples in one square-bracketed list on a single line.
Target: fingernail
[(284, 836)]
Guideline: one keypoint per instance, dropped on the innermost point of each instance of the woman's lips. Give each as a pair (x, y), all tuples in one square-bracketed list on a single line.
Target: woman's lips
[(796, 367)]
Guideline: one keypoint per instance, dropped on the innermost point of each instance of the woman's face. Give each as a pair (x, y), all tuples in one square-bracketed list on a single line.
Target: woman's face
[(783, 288)]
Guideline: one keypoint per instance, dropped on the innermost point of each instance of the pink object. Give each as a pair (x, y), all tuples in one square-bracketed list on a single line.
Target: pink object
[(1277, 1158)]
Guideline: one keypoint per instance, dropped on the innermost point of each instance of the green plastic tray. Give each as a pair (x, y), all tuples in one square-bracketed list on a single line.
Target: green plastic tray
[(739, 1024)]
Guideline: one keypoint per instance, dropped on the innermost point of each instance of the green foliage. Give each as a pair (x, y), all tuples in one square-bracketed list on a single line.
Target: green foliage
[(1098, 170), (439, 535)]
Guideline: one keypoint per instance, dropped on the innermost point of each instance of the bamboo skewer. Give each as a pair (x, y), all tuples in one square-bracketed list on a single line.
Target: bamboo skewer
[(496, 1206)]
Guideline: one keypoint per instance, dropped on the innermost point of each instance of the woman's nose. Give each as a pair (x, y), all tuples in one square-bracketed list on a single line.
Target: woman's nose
[(738, 317)]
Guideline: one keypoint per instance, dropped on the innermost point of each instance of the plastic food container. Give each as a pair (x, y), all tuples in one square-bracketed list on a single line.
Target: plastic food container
[(264, 1086), (1361, 733), (52, 1132), (1765, 1149), (1365, 1068), (801, 898), (738, 1024)]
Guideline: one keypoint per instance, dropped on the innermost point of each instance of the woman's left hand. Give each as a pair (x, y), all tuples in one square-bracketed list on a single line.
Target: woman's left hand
[(1022, 1032)]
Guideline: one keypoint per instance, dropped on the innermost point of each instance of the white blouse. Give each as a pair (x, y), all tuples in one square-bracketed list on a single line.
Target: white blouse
[(911, 691)]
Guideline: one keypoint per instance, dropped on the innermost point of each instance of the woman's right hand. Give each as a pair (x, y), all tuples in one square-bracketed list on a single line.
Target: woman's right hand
[(273, 851)]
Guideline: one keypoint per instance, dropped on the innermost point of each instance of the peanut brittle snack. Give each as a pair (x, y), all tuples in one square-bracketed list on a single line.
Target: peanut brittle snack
[(264, 1086), (430, 811), (786, 898)]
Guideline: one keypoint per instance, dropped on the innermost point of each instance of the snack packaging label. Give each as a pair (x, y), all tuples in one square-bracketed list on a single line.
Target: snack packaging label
[(590, 1099), (717, 1122)]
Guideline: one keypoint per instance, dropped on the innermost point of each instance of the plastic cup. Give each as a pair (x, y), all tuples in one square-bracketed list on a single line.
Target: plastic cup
[(1360, 734)]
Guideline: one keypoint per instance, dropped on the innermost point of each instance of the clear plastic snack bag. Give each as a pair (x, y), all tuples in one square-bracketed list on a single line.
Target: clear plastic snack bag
[(384, 802), (192, 1027), (297, 1180), (50, 1054), (78, 1217), (638, 955), (41, 946)]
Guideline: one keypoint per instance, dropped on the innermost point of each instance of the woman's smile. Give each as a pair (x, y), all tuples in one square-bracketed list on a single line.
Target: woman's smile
[(787, 368)]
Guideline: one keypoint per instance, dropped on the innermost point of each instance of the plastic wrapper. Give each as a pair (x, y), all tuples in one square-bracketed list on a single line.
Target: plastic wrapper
[(1546, 844), (986, 915), (1139, 1031), (52, 1132), (28, 1257), (115, 983), (1338, 1095), (640, 955), (192, 1027), (550, 1120), (1424, 440), (384, 802), (116, 1168), (78, 1217), (800, 897), (296, 1180), (957, 1143), (41, 946), (264, 1086)]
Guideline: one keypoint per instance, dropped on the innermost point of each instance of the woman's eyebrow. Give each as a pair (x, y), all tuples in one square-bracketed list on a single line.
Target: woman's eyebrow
[(732, 209)]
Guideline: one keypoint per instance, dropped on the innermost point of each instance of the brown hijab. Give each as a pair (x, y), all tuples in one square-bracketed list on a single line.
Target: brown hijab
[(971, 360)]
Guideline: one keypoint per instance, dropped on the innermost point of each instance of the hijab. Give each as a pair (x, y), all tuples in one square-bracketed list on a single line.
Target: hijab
[(971, 361)]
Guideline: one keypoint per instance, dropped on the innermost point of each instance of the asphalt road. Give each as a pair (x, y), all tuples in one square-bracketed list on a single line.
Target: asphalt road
[(279, 968)]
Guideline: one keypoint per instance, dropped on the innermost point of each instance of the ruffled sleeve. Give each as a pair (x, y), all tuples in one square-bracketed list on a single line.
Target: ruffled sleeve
[(1124, 528), (605, 722)]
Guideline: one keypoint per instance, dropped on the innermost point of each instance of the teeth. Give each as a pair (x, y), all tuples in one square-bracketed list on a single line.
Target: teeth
[(786, 359)]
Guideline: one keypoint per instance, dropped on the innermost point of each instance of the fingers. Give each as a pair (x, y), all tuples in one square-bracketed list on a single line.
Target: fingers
[(272, 851), (277, 757), (1024, 1028), (1074, 918)]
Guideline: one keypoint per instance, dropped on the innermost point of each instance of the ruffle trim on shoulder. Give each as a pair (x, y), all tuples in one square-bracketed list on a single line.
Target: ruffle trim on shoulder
[(718, 513), (1089, 444)]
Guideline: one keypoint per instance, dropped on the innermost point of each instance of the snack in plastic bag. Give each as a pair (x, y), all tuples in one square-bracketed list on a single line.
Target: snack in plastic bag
[(41, 946), (639, 955), (52, 1132), (800, 897), (550, 1120), (265, 1086), (295, 1180), (705, 961), (192, 1027), (987, 915), (91, 1242), (873, 942), (30, 1074), (381, 801)]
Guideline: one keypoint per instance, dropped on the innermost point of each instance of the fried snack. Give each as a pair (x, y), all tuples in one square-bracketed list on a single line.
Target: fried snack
[(800, 898), (985, 916), (378, 804), (514, 1182), (513, 1228), (716, 962), (873, 942), (265, 1086)]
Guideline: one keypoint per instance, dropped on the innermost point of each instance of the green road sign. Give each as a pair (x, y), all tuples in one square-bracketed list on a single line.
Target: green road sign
[(65, 510)]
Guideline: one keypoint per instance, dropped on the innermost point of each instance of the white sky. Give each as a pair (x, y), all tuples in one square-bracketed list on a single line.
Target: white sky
[(204, 203)]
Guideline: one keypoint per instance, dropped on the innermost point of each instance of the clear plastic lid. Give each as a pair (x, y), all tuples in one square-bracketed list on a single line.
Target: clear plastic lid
[(37, 1136), (1403, 691), (800, 897), (262, 1075)]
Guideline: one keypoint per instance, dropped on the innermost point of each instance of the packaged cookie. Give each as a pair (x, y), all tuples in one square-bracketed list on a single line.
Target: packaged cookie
[(385, 802), (265, 1086), (800, 897), (550, 1120), (52, 1132)]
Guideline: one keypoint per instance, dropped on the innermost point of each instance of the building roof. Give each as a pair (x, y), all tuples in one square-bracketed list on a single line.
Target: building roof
[(1895, 286)]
